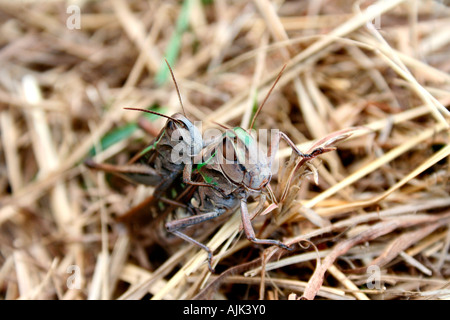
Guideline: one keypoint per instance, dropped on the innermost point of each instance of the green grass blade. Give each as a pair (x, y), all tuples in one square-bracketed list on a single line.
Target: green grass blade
[(123, 132)]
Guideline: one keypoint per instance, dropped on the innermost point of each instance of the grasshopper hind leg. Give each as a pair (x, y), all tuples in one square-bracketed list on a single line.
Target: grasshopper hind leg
[(175, 226), (199, 244), (137, 173), (250, 233)]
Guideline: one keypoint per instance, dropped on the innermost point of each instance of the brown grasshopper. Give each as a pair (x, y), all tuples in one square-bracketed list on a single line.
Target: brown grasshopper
[(236, 170), (238, 167)]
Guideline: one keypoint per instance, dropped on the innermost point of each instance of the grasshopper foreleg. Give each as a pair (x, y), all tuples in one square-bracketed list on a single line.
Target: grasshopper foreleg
[(187, 178)]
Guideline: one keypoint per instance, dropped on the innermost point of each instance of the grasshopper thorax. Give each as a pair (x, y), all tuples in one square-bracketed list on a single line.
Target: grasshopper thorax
[(242, 160)]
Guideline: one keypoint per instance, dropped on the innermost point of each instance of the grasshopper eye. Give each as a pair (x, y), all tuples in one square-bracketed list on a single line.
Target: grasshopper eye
[(171, 125)]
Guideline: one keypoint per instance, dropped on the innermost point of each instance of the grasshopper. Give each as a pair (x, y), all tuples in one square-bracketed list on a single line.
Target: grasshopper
[(158, 167), (237, 170), (238, 167)]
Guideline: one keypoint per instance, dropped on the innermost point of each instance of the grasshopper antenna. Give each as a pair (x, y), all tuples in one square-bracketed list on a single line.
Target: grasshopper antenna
[(221, 125), (267, 97), (155, 113), (176, 86)]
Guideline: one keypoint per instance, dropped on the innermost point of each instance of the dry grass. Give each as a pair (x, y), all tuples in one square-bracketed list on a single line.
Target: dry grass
[(381, 206)]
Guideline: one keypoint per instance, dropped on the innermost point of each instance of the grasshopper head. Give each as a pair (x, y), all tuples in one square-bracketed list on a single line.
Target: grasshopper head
[(183, 134), (243, 162), (181, 130)]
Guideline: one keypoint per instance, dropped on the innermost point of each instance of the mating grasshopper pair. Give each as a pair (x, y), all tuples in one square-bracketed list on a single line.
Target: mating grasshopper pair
[(234, 169)]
